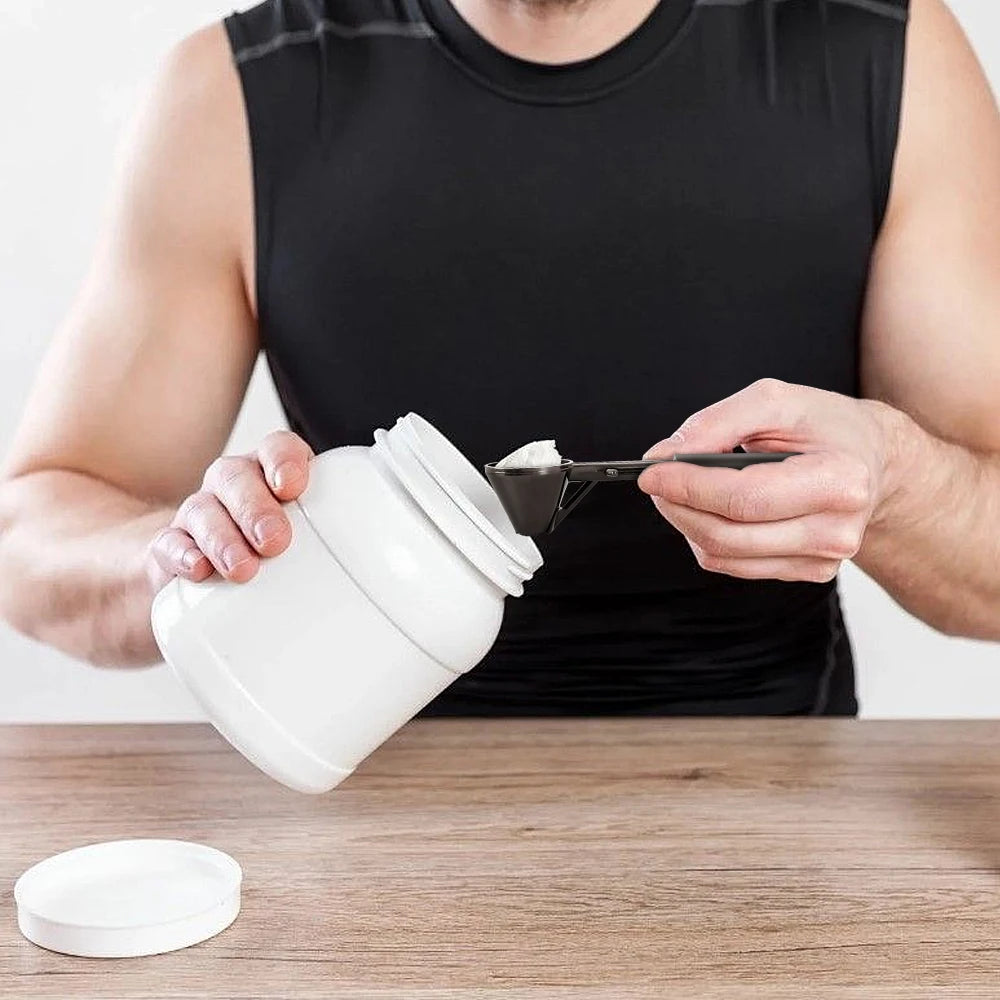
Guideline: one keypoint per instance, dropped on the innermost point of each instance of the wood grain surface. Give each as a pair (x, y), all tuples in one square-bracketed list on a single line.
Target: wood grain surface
[(535, 859)]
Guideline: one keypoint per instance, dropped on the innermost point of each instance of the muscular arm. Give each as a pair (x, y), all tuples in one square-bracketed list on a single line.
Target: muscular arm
[(931, 341), (142, 384)]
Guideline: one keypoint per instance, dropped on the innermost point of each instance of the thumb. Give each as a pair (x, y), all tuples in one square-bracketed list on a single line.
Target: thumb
[(767, 410)]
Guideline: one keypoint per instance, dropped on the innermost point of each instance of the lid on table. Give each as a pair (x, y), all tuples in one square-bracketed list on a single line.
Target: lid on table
[(124, 898)]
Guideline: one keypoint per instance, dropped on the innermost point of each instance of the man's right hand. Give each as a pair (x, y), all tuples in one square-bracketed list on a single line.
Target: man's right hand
[(236, 517)]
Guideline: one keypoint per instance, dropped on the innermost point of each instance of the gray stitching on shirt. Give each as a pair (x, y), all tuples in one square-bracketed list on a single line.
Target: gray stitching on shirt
[(879, 7), (414, 29)]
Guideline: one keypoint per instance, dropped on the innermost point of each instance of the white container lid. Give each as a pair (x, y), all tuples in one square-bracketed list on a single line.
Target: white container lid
[(125, 898)]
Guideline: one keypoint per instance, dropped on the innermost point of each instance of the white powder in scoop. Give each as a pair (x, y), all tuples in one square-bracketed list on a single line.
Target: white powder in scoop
[(533, 455)]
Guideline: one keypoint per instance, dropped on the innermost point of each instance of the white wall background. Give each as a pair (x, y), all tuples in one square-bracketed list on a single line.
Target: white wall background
[(70, 73)]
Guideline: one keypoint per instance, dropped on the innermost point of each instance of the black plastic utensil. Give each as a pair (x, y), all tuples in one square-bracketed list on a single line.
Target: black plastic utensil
[(536, 499)]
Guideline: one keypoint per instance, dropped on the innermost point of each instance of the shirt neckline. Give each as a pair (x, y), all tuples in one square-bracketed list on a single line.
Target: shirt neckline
[(558, 83)]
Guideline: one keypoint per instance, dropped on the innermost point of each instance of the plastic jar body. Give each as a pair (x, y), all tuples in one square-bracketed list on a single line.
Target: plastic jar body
[(387, 593)]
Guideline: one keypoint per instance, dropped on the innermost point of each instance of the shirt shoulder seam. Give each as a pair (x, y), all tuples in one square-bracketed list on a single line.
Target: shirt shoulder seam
[(324, 26)]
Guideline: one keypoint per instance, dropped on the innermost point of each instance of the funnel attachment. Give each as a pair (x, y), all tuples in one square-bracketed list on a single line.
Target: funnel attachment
[(532, 497)]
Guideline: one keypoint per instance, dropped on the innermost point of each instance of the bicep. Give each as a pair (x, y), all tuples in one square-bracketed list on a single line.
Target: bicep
[(143, 381), (931, 332)]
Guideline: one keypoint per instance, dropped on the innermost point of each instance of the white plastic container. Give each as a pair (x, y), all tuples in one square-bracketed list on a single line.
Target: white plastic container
[(393, 586)]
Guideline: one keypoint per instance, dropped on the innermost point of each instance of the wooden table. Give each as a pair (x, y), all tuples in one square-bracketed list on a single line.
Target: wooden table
[(543, 859)]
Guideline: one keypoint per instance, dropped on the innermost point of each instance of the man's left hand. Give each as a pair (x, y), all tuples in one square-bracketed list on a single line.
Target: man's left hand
[(791, 520)]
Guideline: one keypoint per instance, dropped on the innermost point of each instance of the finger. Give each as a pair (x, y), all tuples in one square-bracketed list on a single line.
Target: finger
[(789, 568), (804, 484), (176, 553), (217, 535), (284, 457), (768, 409), (820, 536), (238, 483)]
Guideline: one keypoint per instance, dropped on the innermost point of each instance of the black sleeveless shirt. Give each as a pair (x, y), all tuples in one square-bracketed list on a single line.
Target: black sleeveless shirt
[(588, 252)]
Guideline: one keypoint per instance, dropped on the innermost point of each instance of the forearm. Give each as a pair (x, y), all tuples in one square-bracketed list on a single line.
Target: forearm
[(72, 565), (934, 542)]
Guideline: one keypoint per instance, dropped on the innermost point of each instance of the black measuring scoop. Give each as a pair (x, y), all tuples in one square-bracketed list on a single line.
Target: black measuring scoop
[(537, 500)]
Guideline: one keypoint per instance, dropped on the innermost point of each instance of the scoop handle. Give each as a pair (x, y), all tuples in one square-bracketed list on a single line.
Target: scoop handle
[(604, 472)]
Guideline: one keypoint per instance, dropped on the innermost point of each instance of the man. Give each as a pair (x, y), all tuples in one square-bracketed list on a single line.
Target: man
[(548, 218)]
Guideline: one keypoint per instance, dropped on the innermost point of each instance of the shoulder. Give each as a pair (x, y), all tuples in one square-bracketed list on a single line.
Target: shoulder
[(947, 105), (185, 173), (938, 49), (935, 35), (197, 77)]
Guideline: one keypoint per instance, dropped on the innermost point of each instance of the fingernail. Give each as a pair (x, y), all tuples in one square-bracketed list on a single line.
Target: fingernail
[(268, 528), (665, 447), (233, 555), (285, 474), (190, 559)]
